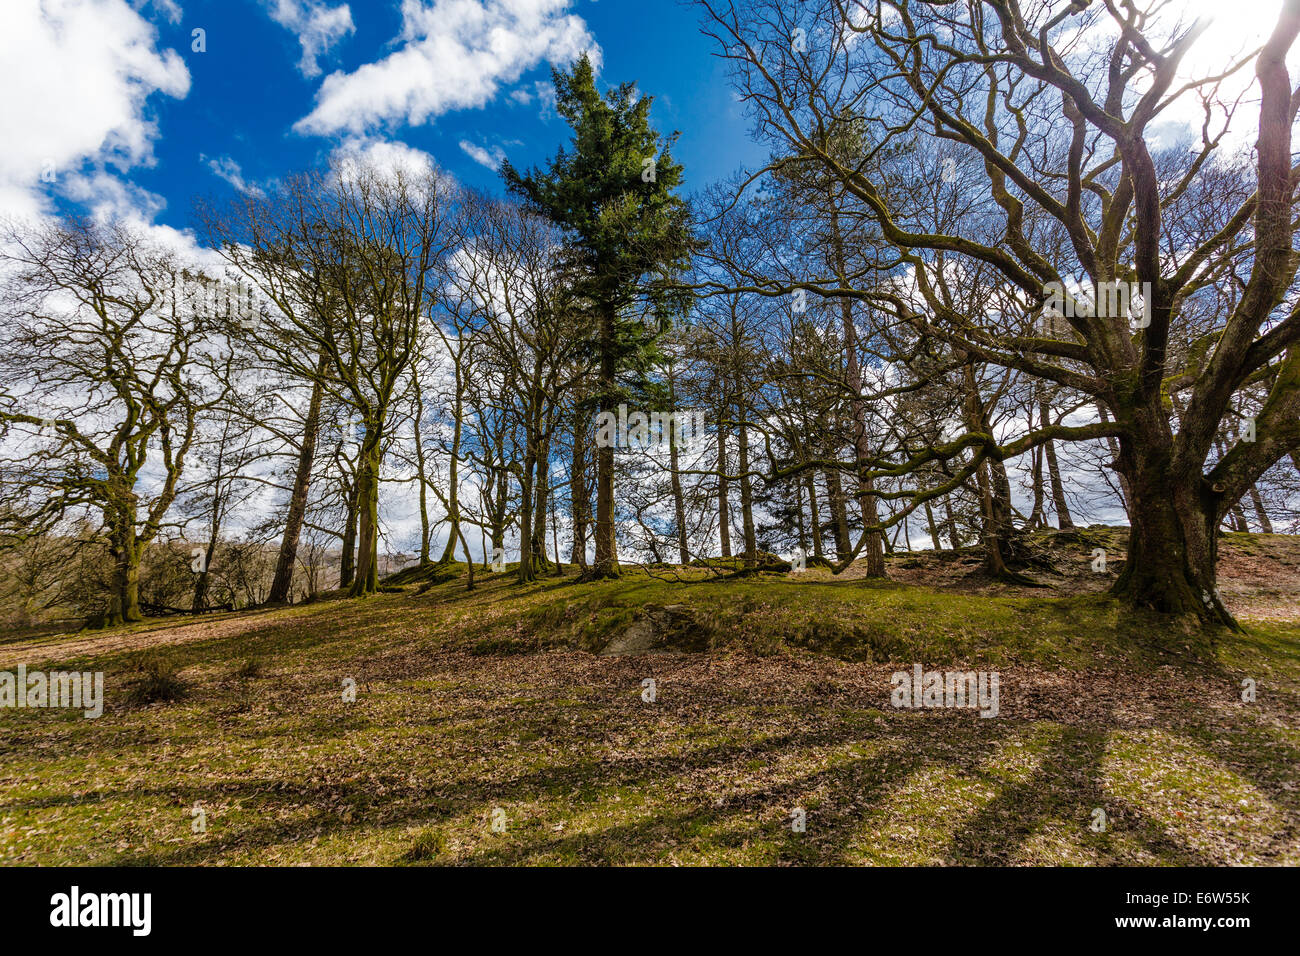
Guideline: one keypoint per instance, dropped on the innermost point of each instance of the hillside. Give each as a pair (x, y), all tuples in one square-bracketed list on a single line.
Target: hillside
[(508, 725)]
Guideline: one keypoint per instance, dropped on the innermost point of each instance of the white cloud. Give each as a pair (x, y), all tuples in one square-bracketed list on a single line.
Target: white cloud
[(317, 25), (226, 168), (454, 54), (77, 75), (383, 155), (492, 159)]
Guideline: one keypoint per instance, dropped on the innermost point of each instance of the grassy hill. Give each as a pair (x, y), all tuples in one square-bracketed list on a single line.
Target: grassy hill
[(507, 724)]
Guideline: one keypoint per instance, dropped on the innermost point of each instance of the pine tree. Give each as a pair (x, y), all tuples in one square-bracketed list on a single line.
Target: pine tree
[(613, 192)]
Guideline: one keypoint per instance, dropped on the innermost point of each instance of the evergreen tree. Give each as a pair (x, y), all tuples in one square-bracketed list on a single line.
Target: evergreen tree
[(612, 191)]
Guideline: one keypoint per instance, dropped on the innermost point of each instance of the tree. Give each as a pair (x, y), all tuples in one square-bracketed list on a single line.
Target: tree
[(1145, 232), (613, 193), (346, 257), (110, 353), (505, 275)]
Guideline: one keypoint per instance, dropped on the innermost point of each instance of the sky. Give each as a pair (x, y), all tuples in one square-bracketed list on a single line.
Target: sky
[(135, 107), (122, 107)]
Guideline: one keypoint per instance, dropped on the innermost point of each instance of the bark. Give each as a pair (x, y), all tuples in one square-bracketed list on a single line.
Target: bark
[(453, 481), (814, 515), (746, 497), (498, 517), (679, 502), (1173, 541), (605, 564), (527, 566), (541, 502), (367, 579), (934, 528), (724, 512), (675, 479), (1036, 519), (951, 520), (124, 598), (801, 530), (994, 490), (839, 515), (580, 504), (288, 556), (1063, 519), (531, 494), (1261, 513), (347, 561), (368, 464), (422, 481)]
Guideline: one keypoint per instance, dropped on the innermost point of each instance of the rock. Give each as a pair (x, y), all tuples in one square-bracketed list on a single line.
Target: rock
[(660, 630)]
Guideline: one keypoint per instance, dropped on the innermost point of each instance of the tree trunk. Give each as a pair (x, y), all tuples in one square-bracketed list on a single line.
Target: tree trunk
[(347, 560), (528, 483), (873, 551), (951, 520), (201, 582), (724, 512), (526, 570), (498, 518), (421, 480), (994, 488), (453, 482), (1063, 519), (1036, 519), (675, 479), (541, 498), (284, 564), (814, 514), (131, 588), (839, 515), (934, 528), (580, 505), (606, 559), (746, 496), (1261, 514), (1173, 542), (367, 580)]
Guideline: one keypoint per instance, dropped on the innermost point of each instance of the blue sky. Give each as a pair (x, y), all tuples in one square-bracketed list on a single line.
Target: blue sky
[(119, 113)]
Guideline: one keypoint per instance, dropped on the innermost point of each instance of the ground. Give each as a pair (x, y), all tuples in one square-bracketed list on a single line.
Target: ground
[(502, 726)]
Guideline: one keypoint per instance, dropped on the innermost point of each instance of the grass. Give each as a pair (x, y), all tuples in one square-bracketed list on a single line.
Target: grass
[(485, 731)]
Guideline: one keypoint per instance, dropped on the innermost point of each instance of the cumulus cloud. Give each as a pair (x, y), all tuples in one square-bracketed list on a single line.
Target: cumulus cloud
[(77, 76), (453, 54), (317, 25), (383, 155), (492, 159)]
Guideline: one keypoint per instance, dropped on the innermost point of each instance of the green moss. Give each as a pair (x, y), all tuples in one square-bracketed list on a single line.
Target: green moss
[(470, 701)]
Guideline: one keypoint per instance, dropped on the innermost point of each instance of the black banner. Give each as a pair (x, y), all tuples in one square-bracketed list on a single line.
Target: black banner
[(333, 906)]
